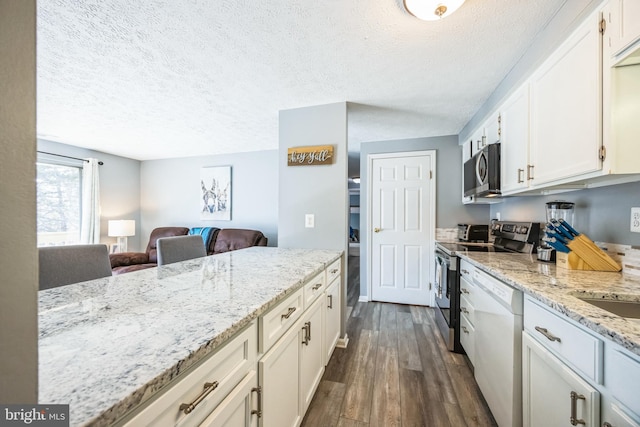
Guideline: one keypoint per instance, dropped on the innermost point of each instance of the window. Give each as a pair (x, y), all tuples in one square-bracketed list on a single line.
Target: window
[(58, 203)]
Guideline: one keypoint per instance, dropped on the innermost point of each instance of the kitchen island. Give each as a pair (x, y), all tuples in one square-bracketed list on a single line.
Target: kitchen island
[(562, 289), (108, 345)]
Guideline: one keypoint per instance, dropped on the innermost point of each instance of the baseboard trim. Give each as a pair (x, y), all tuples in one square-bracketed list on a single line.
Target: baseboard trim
[(343, 342)]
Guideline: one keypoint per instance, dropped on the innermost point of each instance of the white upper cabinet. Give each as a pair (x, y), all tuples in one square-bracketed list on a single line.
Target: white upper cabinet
[(566, 108), (514, 149), (492, 129), (624, 24)]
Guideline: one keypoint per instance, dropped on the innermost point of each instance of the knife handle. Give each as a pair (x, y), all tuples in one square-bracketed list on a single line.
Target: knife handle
[(568, 226)]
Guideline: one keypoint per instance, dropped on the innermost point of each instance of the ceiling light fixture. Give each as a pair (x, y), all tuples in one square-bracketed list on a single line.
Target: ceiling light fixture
[(431, 10)]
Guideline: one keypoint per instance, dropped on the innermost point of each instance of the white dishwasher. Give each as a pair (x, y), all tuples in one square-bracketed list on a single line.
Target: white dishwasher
[(498, 348)]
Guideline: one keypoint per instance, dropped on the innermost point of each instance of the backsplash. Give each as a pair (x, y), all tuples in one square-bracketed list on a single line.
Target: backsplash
[(447, 234), (628, 256)]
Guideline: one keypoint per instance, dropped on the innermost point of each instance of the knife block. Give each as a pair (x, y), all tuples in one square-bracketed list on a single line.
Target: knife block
[(572, 261)]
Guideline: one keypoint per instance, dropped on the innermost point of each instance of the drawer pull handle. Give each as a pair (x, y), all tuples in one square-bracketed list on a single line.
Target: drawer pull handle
[(520, 176), (464, 329), (464, 310), (574, 403), (464, 290), (187, 408), (307, 333), (289, 313), (330, 301), (316, 287), (465, 271), (258, 411), (606, 424), (546, 333), (334, 271)]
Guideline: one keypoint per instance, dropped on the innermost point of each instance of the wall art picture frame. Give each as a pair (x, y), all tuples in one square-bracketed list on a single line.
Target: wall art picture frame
[(215, 202)]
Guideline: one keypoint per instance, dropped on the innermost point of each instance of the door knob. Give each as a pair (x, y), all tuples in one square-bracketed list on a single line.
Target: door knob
[(376, 230)]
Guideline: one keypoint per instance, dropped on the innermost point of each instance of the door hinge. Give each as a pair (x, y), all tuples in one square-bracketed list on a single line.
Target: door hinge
[(430, 174), (603, 26), (602, 153), (499, 127)]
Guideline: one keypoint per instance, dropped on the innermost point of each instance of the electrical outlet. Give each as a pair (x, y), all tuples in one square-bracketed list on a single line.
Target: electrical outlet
[(635, 220), (309, 220)]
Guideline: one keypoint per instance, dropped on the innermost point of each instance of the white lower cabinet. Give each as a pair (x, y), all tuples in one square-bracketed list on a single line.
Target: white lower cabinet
[(554, 395), (332, 319), (311, 353), (206, 388), (237, 409), (279, 375)]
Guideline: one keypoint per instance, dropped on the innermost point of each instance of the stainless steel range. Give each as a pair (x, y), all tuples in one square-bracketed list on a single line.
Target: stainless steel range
[(514, 237)]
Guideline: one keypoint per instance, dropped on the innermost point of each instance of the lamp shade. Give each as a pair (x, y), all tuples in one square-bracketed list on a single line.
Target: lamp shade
[(122, 228), (431, 10)]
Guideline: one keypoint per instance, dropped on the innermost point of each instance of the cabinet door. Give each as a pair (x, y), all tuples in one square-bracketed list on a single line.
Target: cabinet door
[(614, 416), (478, 140), (625, 20), (332, 319), (279, 379), (236, 409), (311, 353), (514, 148), (547, 389), (493, 129), (566, 108)]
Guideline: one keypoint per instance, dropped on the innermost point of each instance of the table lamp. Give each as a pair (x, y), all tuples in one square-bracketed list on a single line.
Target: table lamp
[(122, 229)]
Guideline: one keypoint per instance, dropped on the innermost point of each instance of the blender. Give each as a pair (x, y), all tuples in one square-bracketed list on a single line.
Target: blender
[(556, 210)]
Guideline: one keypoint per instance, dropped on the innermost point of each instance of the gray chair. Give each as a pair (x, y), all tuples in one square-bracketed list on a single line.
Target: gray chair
[(180, 248), (63, 265)]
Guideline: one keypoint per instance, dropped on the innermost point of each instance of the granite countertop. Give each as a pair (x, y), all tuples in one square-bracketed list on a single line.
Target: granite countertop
[(107, 345), (560, 288)]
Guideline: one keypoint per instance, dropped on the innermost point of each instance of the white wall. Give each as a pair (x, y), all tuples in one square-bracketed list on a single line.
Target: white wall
[(119, 188), (449, 208), (171, 194), (320, 190), (18, 256)]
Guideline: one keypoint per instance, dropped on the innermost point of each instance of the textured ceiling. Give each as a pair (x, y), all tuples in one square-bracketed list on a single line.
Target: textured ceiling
[(164, 78)]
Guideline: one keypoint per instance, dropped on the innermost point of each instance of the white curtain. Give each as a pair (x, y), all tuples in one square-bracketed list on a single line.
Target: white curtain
[(90, 225)]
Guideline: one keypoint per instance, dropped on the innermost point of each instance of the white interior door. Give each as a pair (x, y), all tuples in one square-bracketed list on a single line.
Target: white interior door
[(402, 226)]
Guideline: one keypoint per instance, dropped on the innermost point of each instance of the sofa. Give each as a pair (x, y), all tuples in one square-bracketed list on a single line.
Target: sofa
[(216, 240)]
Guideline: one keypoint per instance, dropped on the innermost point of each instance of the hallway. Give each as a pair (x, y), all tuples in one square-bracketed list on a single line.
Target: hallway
[(395, 372)]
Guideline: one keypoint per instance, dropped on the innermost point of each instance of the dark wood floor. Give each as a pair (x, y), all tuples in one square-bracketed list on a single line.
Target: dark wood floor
[(395, 371)]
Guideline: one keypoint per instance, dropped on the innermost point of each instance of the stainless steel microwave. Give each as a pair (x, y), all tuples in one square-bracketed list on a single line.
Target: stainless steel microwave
[(482, 173)]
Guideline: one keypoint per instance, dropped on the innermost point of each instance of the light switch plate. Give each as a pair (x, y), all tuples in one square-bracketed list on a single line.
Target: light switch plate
[(635, 220), (309, 220)]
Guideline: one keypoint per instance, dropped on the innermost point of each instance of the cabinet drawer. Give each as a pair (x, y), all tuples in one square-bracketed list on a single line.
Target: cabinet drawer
[(276, 322), (467, 338), (334, 270), (466, 270), (227, 367), (577, 346), (623, 378), (467, 309), (313, 289)]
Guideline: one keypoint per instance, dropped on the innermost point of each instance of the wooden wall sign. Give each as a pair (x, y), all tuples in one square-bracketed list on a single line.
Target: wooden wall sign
[(312, 155)]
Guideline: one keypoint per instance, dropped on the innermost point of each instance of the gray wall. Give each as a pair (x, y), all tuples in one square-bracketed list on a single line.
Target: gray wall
[(171, 193), (119, 188), (320, 190), (18, 256), (603, 213), (449, 208)]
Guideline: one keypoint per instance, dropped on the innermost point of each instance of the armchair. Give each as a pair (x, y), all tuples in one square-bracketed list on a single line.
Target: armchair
[(132, 261)]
